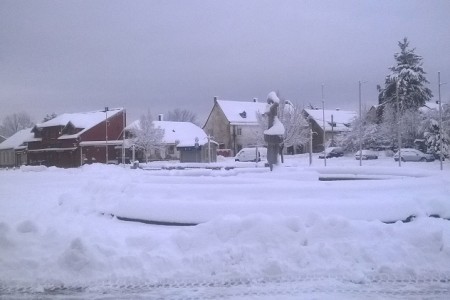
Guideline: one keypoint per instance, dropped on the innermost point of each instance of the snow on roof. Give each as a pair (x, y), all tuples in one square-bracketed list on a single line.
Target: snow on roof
[(341, 118), (17, 139), (241, 112), (85, 120), (183, 133)]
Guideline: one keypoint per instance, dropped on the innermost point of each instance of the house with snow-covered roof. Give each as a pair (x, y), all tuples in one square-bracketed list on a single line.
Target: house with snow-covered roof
[(234, 124), (13, 149), (73, 139), (336, 122), (182, 141)]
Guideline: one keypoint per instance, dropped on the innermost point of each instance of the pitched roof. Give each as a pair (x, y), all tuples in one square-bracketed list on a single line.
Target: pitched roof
[(341, 118), (17, 139), (241, 112), (183, 133), (84, 120)]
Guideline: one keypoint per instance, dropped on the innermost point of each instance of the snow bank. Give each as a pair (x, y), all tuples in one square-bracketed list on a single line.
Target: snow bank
[(56, 226)]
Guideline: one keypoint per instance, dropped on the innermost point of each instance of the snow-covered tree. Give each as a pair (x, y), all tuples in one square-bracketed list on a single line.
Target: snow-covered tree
[(410, 127), (295, 125), (409, 77), (146, 136), (14, 123), (433, 138), (366, 128), (48, 117), (430, 129)]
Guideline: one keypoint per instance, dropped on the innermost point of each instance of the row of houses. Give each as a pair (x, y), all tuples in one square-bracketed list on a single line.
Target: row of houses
[(74, 139)]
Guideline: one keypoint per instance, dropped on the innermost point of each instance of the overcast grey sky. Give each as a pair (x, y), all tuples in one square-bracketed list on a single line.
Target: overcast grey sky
[(73, 56)]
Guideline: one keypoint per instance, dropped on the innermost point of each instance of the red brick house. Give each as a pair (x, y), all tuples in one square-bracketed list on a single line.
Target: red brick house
[(73, 139)]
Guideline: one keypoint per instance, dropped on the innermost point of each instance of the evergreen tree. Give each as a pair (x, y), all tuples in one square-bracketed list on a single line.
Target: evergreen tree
[(431, 132), (408, 77)]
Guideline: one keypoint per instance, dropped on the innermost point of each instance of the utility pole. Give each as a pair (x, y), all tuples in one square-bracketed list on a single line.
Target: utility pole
[(310, 143), (124, 121), (106, 134), (441, 148), (399, 134), (360, 126), (323, 116)]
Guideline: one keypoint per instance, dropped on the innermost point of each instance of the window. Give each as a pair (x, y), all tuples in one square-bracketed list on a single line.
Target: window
[(239, 131)]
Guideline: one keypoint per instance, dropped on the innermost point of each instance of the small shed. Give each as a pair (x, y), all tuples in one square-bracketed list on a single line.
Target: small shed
[(201, 150)]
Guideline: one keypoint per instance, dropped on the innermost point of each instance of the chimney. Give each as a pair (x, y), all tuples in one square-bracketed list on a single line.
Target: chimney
[(255, 99), (215, 99), (160, 117)]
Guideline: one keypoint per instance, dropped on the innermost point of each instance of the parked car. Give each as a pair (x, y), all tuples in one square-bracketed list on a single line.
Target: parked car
[(332, 152), (410, 154), (437, 156), (367, 154), (251, 154)]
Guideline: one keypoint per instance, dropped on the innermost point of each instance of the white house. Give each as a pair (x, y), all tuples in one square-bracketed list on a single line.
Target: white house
[(234, 124), (178, 137), (336, 122), (13, 149)]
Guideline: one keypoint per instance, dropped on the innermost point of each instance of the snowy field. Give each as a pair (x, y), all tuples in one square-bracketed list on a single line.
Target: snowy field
[(260, 235)]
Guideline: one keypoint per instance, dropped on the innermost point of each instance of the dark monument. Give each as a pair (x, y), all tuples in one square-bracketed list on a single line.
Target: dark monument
[(273, 136)]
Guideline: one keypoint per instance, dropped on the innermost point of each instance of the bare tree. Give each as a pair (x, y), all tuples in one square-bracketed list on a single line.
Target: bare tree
[(146, 136), (182, 115), (295, 125), (15, 122), (48, 117)]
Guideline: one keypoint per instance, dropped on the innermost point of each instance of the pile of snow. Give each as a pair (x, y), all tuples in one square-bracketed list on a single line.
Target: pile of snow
[(59, 225)]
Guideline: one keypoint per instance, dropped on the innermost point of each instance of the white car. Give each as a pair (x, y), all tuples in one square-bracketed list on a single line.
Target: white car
[(410, 154), (366, 154), (251, 154)]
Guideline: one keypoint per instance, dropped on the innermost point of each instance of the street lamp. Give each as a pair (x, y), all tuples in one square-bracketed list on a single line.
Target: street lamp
[(441, 148), (399, 134), (323, 117), (360, 125), (106, 134)]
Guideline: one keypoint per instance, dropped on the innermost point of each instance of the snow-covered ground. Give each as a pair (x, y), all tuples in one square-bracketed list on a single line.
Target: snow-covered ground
[(261, 234)]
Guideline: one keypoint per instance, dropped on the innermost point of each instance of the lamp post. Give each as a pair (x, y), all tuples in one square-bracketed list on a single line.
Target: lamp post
[(399, 134), (441, 148), (124, 121), (323, 121), (106, 134), (360, 125)]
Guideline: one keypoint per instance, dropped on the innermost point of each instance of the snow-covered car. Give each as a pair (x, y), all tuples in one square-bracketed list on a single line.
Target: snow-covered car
[(251, 154), (410, 154), (332, 152), (437, 155), (366, 154)]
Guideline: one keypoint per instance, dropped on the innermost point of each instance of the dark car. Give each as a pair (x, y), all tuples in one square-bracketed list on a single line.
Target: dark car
[(332, 152)]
